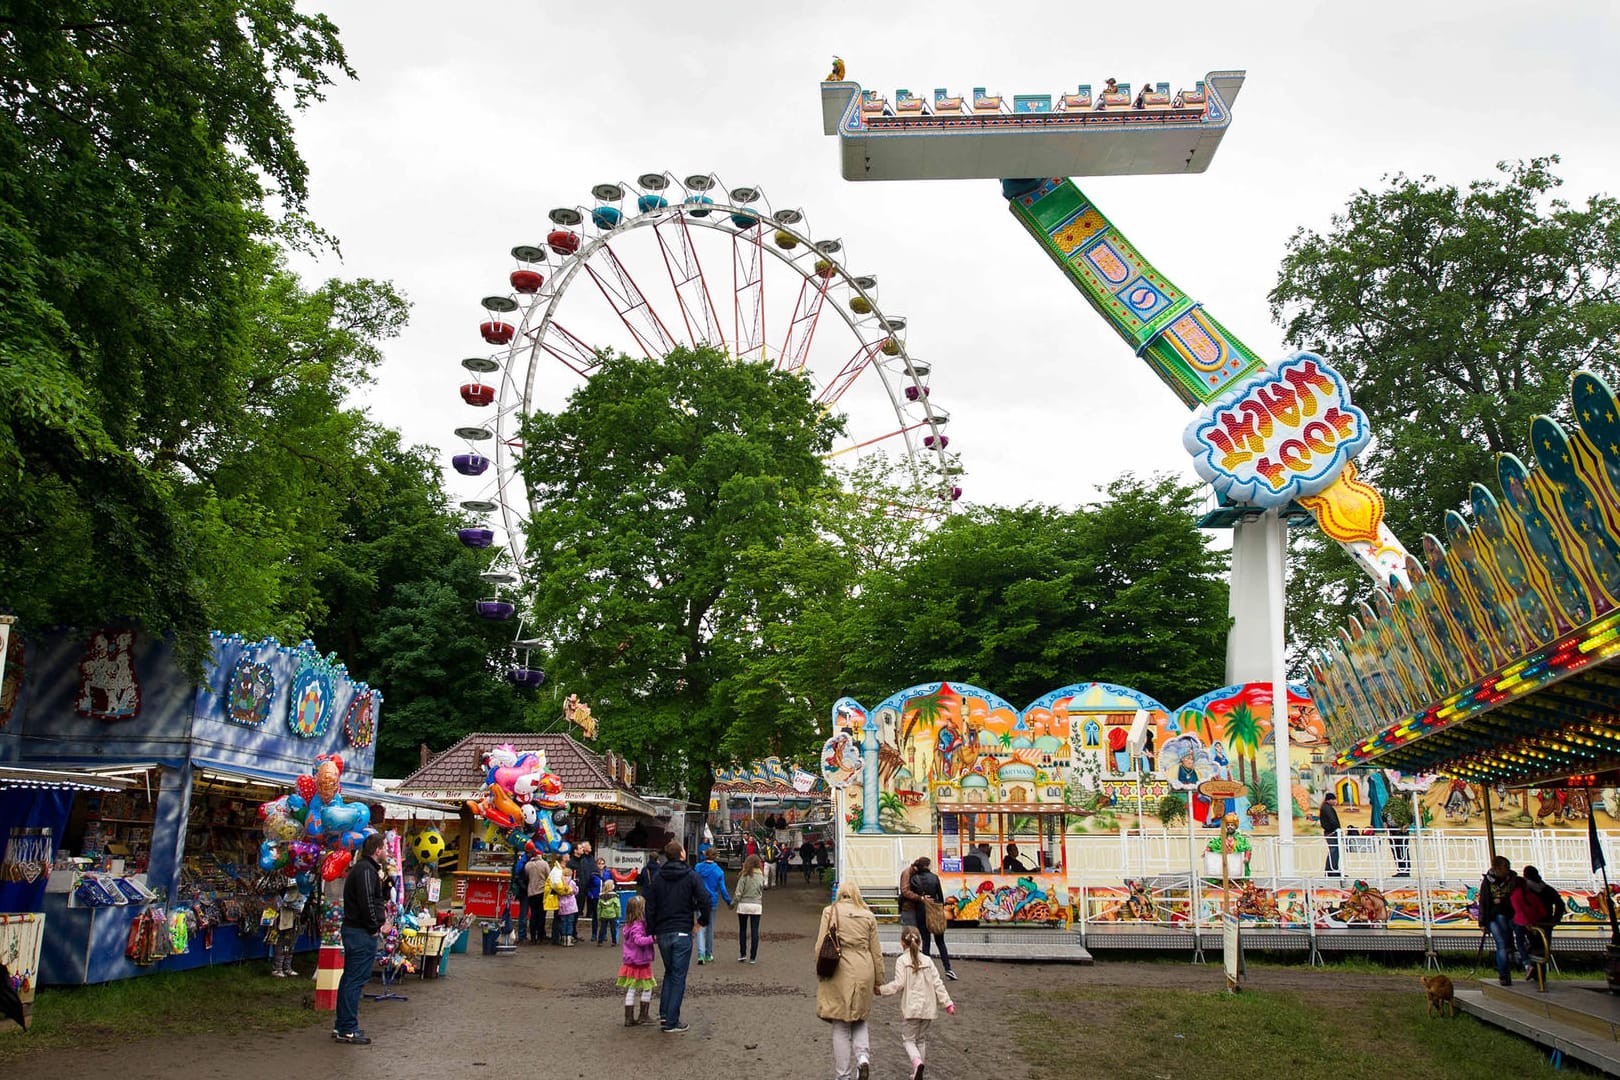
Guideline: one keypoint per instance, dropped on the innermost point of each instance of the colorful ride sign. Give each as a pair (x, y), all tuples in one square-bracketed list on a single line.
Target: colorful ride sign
[(1284, 434)]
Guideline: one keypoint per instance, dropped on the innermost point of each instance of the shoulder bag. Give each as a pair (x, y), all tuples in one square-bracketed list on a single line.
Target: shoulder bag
[(934, 915), (830, 951)]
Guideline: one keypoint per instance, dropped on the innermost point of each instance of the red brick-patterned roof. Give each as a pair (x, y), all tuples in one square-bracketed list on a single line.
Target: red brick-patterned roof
[(458, 772)]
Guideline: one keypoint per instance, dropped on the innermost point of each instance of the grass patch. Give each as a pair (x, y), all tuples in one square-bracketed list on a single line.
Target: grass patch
[(1157, 1034), (1456, 966), (232, 997)]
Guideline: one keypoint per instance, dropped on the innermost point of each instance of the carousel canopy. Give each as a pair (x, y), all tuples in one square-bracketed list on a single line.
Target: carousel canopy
[(1498, 663)]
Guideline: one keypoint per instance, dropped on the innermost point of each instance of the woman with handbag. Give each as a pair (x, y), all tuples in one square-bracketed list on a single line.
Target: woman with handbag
[(922, 904), (849, 967)]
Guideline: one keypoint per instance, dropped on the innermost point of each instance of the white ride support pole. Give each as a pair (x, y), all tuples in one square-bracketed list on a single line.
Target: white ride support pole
[(1277, 597)]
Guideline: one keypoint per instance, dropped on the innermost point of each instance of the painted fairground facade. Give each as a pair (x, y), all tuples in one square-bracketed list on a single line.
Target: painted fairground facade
[(1004, 800), (1002, 792)]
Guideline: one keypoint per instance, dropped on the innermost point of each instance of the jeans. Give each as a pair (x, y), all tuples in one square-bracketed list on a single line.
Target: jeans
[(705, 937), (590, 908), (745, 925), (1528, 942), (676, 949), (1501, 931), (556, 928), (359, 954), (849, 1040), (537, 918), (568, 924), (1333, 854), (602, 927)]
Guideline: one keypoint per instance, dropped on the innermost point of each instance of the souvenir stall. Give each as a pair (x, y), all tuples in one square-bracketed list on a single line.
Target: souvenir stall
[(33, 807), (518, 791), (166, 872)]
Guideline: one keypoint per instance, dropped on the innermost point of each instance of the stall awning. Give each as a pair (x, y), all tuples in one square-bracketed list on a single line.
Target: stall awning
[(12, 777)]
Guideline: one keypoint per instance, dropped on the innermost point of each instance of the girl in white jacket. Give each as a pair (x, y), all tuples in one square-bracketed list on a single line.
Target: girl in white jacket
[(921, 992)]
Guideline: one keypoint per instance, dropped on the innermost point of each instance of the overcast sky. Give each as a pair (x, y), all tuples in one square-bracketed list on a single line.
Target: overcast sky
[(469, 122)]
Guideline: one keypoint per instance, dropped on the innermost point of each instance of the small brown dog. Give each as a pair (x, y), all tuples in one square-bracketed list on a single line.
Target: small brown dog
[(1441, 995)]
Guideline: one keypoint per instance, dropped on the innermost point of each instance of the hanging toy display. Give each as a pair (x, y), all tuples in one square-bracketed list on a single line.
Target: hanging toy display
[(524, 801), (313, 830)]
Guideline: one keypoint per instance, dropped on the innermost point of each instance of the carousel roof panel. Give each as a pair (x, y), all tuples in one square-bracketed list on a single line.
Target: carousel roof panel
[(1496, 661)]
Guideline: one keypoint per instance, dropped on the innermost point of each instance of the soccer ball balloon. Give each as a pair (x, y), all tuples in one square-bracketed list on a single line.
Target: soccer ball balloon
[(428, 846)]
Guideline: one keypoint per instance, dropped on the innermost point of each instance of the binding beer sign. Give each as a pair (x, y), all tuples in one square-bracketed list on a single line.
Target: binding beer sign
[(1284, 434)]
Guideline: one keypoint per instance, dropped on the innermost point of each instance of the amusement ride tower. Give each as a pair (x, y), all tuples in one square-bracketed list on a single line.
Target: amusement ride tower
[(1273, 439)]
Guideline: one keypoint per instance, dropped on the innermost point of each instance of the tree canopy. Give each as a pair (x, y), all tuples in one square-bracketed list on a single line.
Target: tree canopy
[(1023, 600), (660, 490), (141, 149), (1456, 315)]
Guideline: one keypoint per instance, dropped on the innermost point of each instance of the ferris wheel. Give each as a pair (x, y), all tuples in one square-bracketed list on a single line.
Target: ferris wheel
[(663, 263)]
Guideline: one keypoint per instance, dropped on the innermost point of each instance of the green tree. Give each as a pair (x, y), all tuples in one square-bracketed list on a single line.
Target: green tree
[(1243, 732), (1456, 315), (664, 492), (1021, 601), (141, 147)]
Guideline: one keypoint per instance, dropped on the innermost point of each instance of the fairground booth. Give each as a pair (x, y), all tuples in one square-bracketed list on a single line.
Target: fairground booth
[(130, 812), (602, 807), (767, 799)]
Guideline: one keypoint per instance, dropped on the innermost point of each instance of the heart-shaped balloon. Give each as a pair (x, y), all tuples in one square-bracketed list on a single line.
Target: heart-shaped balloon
[(306, 787), (335, 864)]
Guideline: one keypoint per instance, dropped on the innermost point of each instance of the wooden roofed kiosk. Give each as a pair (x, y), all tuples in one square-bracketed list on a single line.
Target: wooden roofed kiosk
[(597, 787)]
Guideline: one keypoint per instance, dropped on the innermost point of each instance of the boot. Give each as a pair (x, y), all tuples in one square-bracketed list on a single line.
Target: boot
[(642, 1018), (630, 1015)]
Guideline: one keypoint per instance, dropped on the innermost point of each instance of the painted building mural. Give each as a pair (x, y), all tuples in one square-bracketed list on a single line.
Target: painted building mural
[(999, 788)]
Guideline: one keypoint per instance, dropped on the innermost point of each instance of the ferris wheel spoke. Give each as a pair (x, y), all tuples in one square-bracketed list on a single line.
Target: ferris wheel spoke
[(839, 385), (863, 444), (802, 327), (631, 305), (567, 347), (748, 281), (691, 287)]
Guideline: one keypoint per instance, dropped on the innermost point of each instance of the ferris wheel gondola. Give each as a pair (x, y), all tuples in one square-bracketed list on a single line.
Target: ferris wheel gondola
[(636, 272)]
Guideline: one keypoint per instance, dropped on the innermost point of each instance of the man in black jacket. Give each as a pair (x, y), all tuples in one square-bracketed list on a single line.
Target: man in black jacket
[(365, 900), (675, 897), (1328, 817)]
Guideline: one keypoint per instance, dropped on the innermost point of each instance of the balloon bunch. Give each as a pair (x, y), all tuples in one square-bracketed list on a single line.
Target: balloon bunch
[(523, 799), (313, 830)]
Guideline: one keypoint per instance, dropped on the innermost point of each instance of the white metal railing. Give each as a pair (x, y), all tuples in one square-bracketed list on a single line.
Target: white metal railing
[(1418, 881)]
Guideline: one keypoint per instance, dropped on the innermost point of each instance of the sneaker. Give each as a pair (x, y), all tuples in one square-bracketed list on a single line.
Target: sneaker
[(753, 961), (865, 1071), (353, 1038), (918, 1072), (1505, 980), (278, 974), (741, 959), (678, 1029), (951, 975)]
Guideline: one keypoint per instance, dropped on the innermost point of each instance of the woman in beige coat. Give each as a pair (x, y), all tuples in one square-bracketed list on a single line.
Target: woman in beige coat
[(845, 999)]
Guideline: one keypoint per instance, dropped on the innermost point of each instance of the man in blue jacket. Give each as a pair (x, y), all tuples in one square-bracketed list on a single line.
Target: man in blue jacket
[(713, 876), (675, 897)]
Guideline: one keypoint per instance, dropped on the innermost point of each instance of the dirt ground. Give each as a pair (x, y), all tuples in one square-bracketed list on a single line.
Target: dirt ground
[(553, 1013)]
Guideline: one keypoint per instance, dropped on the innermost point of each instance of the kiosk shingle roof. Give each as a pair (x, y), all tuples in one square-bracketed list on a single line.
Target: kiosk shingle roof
[(458, 768)]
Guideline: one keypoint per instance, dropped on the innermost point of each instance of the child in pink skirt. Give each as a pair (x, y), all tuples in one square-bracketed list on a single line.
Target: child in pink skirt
[(635, 973)]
